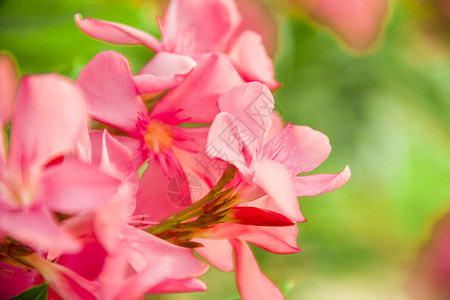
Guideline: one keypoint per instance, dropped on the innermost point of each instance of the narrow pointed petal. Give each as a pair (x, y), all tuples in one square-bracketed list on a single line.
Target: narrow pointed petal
[(9, 80), (195, 99), (250, 59), (164, 71), (299, 148), (107, 81), (317, 184), (116, 33), (276, 181), (281, 240), (194, 27), (179, 286), (190, 139), (252, 282), (218, 253), (37, 228), (49, 118), (75, 187), (112, 156)]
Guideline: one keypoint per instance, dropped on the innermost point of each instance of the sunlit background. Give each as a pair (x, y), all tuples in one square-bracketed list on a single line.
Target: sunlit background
[(385, 107)]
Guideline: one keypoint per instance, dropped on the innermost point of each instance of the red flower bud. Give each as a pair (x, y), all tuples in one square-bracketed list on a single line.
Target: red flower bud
[(258, 217)]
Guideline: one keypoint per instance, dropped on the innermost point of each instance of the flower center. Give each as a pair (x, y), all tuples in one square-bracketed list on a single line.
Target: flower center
[(16, 192), (158, 137)]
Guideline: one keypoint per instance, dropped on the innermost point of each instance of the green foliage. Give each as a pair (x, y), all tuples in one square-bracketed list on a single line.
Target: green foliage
[(39, 292)]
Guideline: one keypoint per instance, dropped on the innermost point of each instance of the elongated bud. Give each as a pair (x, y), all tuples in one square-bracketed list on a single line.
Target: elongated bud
[(258, 217)]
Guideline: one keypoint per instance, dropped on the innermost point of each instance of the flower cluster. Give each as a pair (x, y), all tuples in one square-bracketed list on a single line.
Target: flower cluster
[(109, 185)]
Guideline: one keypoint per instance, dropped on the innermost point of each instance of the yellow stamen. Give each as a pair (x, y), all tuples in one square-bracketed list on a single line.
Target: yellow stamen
[(159, 136)]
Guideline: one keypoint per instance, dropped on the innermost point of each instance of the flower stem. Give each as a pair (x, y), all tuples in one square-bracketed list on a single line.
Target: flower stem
[(195, 209)]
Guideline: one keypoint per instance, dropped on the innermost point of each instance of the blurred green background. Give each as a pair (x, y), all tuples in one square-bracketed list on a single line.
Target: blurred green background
[(387, 114)]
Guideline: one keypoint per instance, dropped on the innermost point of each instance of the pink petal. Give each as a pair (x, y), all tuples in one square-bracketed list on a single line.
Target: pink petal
[(112, 275), (107, 81), (259, 17), (314, 185), (113, 157), (154, 199), (164, 71), (178, 286), (357, 22), (49, 119), (194, 27), (135, 145), (74, 187), (207, 169), (250, 59), (144, 250), (191, 139), (15, 280), (8, 84), (108, 223), (66, 283), (299, 148), (252, 105), (282, 240), (195, 99), (273, 239), (159, 265), (252, 282), (116, 33), (276, 181), (226, 141), (37, 228), (218, 253), (276, 127), (88, 262)]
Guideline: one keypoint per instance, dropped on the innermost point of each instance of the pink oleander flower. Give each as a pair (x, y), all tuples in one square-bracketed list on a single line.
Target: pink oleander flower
[(191, 29), (39, 174), (270, 167), (113, 99), (357, 22), (119, 260), (268, 155)]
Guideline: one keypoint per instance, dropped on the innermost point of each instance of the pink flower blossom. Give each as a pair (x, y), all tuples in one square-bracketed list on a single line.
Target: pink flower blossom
[(241, 131), (119, 260), (358, 23), (192, 28), (113, 99), (48, 121), (249, 136)]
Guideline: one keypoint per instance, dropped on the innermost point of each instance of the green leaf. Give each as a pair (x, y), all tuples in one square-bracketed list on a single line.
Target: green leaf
[(142, 168), (7, 133), (39, 292)]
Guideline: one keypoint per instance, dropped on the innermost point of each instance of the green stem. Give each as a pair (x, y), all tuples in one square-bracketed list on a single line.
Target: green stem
[(195, 209)]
